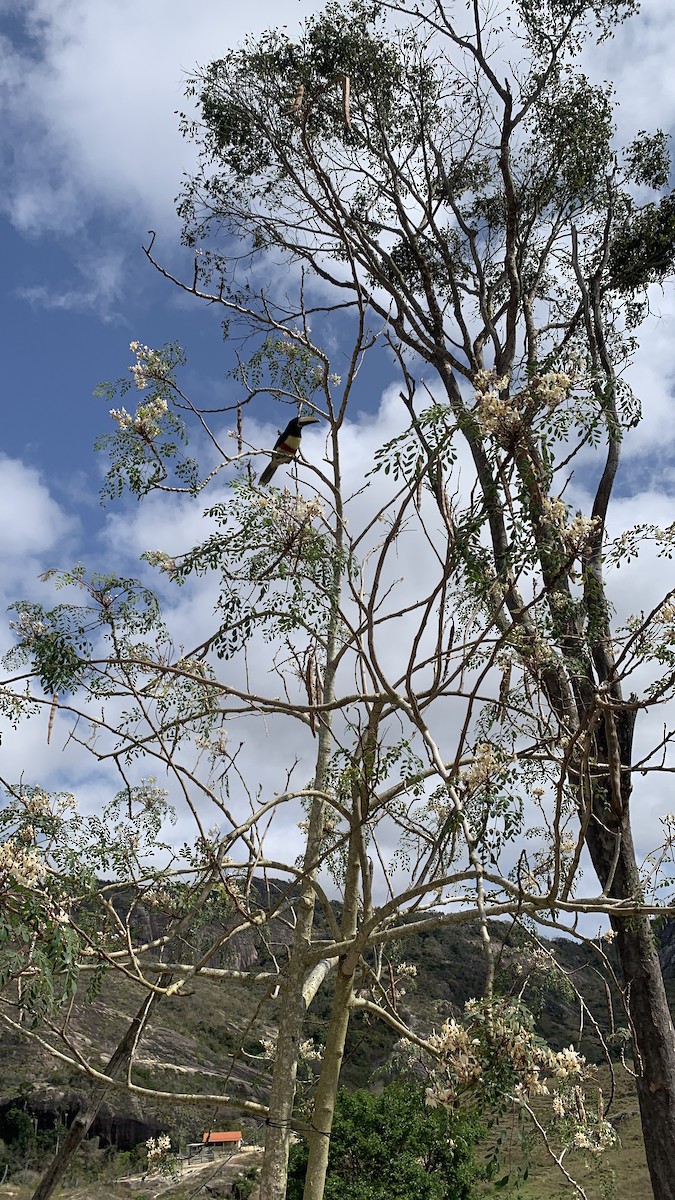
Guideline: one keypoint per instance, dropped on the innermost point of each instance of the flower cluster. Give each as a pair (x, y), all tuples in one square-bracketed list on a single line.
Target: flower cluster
[(160, 1156), (533, 960), (149, 794), (308, 508), (485, 767), (406, 971), (576, 531), (597, 1138), (565, 1063), (331, 823), (502, 415), (588, 1129), (147, 419), (461, 1058), (148, 365), (666, 614), (568, 843), (217, 745), (440, 803), (159, 558), (494, 1056), (21, 864), (494, 1045), (286, 508), (27, 628), (399, 975), (488, 381), (158, 1147), (37, 803), (554, 511), (495, 414), (157, 897), (550, 390), (308, 1052)]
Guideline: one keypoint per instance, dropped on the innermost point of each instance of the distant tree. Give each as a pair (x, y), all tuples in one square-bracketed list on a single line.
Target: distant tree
[(390, 1146)]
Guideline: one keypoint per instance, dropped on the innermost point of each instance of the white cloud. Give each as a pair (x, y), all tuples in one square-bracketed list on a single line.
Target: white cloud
[(638, 61), (35, 533), (90, 107), (32, 524), (91, 98), (91, 95)]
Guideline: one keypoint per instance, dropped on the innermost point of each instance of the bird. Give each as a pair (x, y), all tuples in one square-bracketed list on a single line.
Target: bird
[(286, 446)]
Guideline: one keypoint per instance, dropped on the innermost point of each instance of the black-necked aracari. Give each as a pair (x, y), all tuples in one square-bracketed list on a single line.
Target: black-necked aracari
[(287, 446)]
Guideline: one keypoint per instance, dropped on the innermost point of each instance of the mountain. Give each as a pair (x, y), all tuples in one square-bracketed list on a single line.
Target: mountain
[(210, 1040)]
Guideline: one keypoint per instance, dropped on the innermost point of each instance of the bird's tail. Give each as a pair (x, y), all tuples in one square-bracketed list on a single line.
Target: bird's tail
[(267, 474)]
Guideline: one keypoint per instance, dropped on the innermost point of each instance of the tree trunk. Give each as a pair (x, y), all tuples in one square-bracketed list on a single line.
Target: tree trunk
[(324, 1102), (645, 994), (650, 1021), (654, 1049), (323, 1109), (274, 1172), (88, 1112)]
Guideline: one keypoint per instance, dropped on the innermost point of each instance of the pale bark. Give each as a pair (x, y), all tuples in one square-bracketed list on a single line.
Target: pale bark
[(299, 981), (323, 1110), (274, 1170)]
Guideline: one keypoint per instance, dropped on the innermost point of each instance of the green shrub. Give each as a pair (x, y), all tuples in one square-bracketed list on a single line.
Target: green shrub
[(244, 1184), (393, 1147)]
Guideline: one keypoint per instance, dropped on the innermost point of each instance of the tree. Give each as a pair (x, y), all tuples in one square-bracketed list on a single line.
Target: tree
[(392, 1145), (468, 235), (318, 580), (489, 225)]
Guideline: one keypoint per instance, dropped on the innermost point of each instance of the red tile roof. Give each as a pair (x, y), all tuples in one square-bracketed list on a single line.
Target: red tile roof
[(218, 1138)]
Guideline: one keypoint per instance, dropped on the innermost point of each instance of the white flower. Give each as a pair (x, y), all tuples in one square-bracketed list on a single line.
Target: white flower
[(485, 766), (20, 864), (309, 1052), (554, 511), (158, 558), (37, 803), (123, 418)]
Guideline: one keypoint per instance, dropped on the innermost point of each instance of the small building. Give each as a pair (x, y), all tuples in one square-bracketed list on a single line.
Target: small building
[(223, 1141), (214, 1143)]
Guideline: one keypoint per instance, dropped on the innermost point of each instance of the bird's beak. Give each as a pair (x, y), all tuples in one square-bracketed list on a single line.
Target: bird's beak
[(308, 420)]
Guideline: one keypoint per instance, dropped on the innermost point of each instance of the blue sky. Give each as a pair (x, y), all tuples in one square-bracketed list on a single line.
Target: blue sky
[(92, 159)]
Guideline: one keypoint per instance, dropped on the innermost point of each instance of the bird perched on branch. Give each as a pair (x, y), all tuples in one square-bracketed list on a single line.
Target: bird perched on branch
[(286, 446)]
